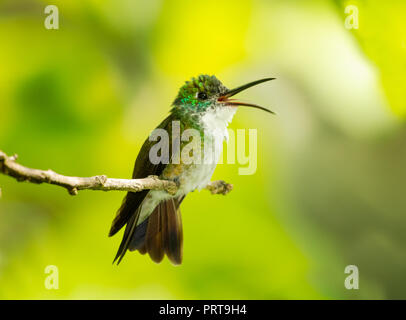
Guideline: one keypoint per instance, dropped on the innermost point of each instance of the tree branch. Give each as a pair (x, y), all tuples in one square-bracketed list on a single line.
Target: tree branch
[(10, 167)]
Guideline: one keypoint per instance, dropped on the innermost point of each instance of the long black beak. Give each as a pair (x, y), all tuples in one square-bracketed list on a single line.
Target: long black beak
[(225, 97)]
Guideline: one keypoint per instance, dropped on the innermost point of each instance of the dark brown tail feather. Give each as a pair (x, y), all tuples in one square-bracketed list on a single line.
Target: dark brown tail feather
[(128, 235), (130, 204), (142, 249), (174, 233), (153, 238), (160, 233)]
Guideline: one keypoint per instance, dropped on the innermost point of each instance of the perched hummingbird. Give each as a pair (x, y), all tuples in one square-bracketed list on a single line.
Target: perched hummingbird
[(152, 218)]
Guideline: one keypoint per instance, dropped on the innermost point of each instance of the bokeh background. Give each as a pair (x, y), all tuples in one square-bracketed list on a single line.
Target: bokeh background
[(330, 186)]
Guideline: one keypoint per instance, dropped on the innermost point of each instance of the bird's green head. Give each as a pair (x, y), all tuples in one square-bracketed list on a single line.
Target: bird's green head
[(205, 93), (199, 93)]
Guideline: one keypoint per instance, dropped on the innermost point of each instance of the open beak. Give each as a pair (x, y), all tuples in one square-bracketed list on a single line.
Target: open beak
[(231, 102)]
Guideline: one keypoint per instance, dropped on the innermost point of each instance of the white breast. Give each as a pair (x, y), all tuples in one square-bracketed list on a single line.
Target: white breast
[(215, 124)]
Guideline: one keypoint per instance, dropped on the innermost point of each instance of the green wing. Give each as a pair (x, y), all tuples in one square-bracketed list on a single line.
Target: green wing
[(160, 233), (143, 168)]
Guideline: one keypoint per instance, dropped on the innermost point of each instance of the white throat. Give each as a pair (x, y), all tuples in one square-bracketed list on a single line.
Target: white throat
[(217, 120)]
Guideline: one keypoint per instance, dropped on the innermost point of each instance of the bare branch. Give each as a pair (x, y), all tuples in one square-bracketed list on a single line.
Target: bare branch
[(10, 167)]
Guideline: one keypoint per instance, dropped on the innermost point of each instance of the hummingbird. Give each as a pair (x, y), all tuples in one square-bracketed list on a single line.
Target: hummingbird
[(152, 218)]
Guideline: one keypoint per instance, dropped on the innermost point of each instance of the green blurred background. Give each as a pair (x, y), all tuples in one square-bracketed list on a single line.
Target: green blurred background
[(330, 186)]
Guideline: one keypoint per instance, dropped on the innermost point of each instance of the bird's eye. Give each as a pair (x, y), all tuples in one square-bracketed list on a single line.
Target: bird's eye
[(202, 95)]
